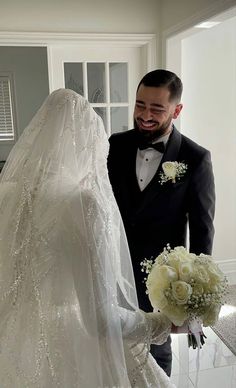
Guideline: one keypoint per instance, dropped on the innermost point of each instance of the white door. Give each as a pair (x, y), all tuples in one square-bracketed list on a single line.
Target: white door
[(106, 75)]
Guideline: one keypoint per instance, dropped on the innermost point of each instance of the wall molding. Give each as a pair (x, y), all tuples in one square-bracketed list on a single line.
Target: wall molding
[(45, 38)]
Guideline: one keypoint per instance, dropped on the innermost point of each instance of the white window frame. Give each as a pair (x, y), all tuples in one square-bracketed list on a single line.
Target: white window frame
[(7, 107)]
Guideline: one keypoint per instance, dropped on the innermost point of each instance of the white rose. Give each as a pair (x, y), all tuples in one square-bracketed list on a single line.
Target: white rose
[(176, 257), (215, 274), (161, 276), (176, 314), (158, 281), (170, 170), (179, 256), (174, 260), (181, 252), (186, 271), (201, 274), (181, 291), (157, 298)]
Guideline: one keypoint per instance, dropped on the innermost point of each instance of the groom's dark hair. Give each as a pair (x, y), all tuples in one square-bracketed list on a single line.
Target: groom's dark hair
[(164, 78)]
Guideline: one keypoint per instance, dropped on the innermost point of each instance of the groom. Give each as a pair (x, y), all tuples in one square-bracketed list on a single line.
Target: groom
[(156, 213)]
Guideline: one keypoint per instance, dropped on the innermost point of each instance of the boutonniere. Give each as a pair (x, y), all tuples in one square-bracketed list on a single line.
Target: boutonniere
[(172, 171)]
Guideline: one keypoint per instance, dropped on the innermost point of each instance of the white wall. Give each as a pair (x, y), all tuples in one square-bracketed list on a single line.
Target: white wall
[(99, 16), (209, 117)]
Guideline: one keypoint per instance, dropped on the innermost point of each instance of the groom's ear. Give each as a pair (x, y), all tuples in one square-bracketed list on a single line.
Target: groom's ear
[(177, 111)]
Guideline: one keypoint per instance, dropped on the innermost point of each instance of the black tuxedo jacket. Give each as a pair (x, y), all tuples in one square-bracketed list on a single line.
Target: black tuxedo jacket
[(160, 213)]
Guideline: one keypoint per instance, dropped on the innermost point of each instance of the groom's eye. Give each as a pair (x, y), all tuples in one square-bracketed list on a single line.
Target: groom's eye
[(139, 105), (158, 111)]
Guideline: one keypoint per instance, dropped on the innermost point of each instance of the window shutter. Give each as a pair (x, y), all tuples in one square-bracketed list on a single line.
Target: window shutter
[(6, 115)]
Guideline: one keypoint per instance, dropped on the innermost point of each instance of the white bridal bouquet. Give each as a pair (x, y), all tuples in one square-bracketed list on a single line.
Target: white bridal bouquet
[(186, 287)]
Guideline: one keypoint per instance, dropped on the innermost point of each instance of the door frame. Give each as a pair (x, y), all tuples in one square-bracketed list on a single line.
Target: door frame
[(146, 42), (176, 34)]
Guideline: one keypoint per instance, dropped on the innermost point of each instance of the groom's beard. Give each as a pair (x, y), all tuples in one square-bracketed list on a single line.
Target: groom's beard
[(155, 134)]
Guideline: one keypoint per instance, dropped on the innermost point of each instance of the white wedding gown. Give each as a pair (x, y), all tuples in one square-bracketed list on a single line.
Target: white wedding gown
[(68, 305)]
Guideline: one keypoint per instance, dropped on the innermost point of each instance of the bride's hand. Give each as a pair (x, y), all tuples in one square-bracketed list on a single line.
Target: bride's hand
[(174, 329), (180, 329)]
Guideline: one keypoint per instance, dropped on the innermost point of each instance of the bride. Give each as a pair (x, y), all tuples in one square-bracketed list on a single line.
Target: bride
[(68, 307)]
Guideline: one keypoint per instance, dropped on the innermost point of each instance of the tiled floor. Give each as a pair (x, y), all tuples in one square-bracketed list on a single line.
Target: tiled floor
[(217, 364)]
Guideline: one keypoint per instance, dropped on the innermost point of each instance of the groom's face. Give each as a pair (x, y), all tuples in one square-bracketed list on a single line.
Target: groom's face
[(154, 112)]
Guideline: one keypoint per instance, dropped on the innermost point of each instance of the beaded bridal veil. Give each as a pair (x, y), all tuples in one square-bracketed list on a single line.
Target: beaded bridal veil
[(68, 305)]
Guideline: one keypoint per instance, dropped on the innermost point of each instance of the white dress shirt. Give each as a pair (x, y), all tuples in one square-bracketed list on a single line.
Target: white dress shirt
[(147, 163)]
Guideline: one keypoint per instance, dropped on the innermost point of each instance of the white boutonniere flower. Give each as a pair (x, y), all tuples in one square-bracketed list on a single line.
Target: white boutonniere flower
[(172, 171)]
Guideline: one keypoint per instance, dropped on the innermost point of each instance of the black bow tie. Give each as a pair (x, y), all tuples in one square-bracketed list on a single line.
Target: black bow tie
[(157, 146)]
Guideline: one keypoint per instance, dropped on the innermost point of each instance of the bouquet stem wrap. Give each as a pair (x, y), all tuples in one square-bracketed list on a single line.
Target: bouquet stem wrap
[(196, 339)]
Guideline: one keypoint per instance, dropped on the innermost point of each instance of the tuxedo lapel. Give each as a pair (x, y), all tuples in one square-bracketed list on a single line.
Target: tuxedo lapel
[(130, 165), (170, 154), (172, 149)]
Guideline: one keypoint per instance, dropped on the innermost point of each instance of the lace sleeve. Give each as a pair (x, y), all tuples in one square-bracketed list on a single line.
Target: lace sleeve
[(138, 326)]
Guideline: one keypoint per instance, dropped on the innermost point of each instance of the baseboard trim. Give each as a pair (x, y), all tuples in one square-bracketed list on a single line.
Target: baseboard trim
[(229, 269)]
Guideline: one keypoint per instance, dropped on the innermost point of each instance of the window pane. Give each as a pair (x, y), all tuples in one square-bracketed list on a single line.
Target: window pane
[(102, 113), (6, 115), (118, 82), (74, 77), (96, 82), (1, 165), (119, 119)]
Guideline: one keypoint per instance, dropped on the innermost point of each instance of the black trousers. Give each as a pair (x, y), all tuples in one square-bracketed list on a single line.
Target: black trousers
[(163, 355)]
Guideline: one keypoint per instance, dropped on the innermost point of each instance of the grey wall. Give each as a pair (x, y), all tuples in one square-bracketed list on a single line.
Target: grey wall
[(30, 72)]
